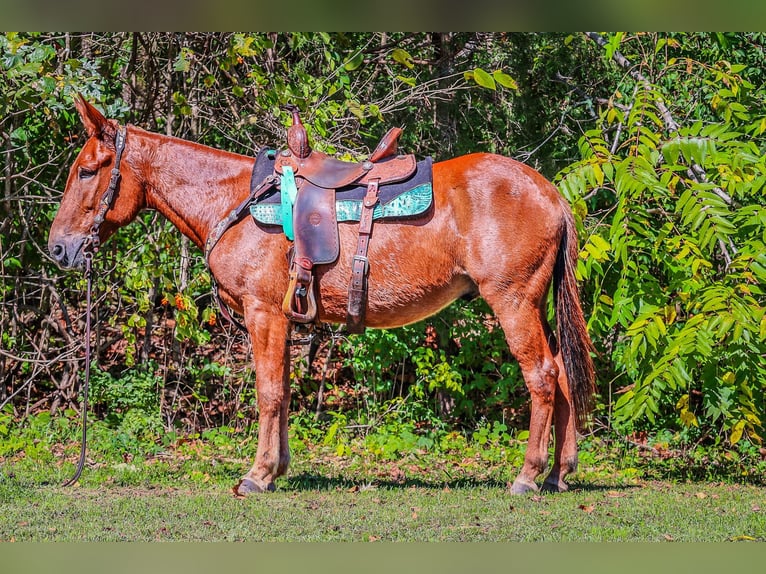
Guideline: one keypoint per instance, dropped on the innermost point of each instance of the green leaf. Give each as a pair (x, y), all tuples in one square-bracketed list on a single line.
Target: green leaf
[(505, 80), (356, 109), (614, 44), (736, 432), (402, 57), (19, 134), (598, 174), (12, 263), (483, 79), (354, 62), (182, 63), (671, 151), (601, 243)]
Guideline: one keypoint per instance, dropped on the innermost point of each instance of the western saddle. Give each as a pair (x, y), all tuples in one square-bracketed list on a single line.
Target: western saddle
[(314, 178)]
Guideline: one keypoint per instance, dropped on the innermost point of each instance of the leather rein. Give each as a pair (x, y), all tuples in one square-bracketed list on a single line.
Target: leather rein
[(92, 243)]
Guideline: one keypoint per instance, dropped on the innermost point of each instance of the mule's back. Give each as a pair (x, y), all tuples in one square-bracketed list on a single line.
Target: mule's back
[(493, 221)]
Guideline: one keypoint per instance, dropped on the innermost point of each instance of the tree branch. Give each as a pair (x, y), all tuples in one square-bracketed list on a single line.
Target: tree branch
[(624, 63), (697, 173)]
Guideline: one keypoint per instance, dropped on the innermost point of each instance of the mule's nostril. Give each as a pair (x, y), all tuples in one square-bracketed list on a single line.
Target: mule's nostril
[(58, 252)]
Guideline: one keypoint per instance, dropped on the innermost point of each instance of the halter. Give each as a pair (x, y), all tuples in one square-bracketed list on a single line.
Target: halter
[(106, 200), (92, 243)]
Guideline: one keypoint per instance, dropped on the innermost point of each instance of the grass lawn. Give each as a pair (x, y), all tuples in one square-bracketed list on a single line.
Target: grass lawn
[(330, 498)]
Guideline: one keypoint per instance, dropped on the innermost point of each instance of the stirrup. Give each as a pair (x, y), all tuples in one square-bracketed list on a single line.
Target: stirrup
[(299, 295)]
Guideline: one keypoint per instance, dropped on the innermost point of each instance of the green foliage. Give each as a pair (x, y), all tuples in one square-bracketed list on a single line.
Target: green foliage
[(462, 356), (673, 258), (435, 372), (129, 403), (491, 81), (671, 222)]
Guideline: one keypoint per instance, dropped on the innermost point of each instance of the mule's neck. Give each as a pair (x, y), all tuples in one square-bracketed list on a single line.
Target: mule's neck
[(194, 186)]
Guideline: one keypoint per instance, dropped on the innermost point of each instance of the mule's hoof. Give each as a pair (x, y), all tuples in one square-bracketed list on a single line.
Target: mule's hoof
[(552, 485), (521, 486), (247, 486)]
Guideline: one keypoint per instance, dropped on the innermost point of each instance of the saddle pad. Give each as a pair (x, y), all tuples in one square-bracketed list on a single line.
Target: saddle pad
[(401, 200), (411, 203)]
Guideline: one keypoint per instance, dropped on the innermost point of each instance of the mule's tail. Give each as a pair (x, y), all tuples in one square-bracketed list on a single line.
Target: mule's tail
[(574, 343)]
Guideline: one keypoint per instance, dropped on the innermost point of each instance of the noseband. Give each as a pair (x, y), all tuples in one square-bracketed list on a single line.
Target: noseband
[(92, 243)]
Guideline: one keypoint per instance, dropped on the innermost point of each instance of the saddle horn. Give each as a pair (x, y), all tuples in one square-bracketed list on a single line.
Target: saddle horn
[(297, 138)]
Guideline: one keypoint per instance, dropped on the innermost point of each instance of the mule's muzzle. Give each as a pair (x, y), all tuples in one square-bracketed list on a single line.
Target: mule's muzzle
[(68, 252)]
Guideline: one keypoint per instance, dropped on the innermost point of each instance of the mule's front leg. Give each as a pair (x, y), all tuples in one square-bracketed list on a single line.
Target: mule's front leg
[(268, 333)]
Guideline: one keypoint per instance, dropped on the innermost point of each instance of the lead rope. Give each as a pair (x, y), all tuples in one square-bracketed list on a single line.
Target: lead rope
[(89, 249), (88, 311)]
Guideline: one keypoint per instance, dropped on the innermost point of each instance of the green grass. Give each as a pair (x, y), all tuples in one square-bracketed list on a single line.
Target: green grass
[(644, 512), (325, 497), (387, 485)]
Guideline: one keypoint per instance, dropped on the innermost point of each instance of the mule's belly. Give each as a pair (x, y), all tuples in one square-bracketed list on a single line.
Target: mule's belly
[(387, 308), (415, 271)]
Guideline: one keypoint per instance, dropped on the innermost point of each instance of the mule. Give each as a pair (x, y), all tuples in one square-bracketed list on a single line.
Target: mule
[(497, 228)]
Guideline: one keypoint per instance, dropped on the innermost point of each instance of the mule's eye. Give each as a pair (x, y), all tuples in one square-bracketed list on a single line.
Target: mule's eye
[(85, 173)]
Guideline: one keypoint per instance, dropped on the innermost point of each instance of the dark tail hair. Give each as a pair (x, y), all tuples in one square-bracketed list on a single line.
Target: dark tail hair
[(574, 342)]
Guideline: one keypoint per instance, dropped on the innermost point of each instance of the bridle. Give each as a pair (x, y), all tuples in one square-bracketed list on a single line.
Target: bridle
[(90, 248)]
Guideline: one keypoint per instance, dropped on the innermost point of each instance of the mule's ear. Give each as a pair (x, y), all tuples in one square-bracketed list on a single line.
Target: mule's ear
[(93, 120)]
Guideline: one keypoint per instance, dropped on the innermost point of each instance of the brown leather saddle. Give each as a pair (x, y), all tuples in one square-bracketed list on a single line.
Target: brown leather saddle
[(317, 176)]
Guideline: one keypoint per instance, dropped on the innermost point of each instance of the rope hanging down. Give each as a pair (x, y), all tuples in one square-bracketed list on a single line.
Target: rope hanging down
[(90, 248), (86, 384)]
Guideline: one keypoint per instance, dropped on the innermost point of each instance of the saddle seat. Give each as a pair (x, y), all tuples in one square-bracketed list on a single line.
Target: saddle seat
[(328, 172)]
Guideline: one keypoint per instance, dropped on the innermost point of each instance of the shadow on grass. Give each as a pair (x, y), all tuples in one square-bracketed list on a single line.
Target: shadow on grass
[(313, 481), (595, 487), (308, 481)]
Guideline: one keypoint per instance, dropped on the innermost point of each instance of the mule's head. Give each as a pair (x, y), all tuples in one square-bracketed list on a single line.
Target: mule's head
[(87, 182)]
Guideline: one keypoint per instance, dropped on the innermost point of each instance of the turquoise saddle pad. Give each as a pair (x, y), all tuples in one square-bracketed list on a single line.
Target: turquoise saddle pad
[(402, 200), (410, 203)]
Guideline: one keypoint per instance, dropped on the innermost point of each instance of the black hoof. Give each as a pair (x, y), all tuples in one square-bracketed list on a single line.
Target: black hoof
[(554, 486)]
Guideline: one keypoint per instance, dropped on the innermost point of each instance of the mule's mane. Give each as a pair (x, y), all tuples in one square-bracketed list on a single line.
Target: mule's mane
[(191, 184)]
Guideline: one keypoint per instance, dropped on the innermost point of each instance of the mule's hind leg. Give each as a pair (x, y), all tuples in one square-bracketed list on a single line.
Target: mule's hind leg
[(565, 457), (525, 330), (268, 332)]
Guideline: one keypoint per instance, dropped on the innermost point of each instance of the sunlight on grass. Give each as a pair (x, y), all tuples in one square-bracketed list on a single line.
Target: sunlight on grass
[(457, 492)]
